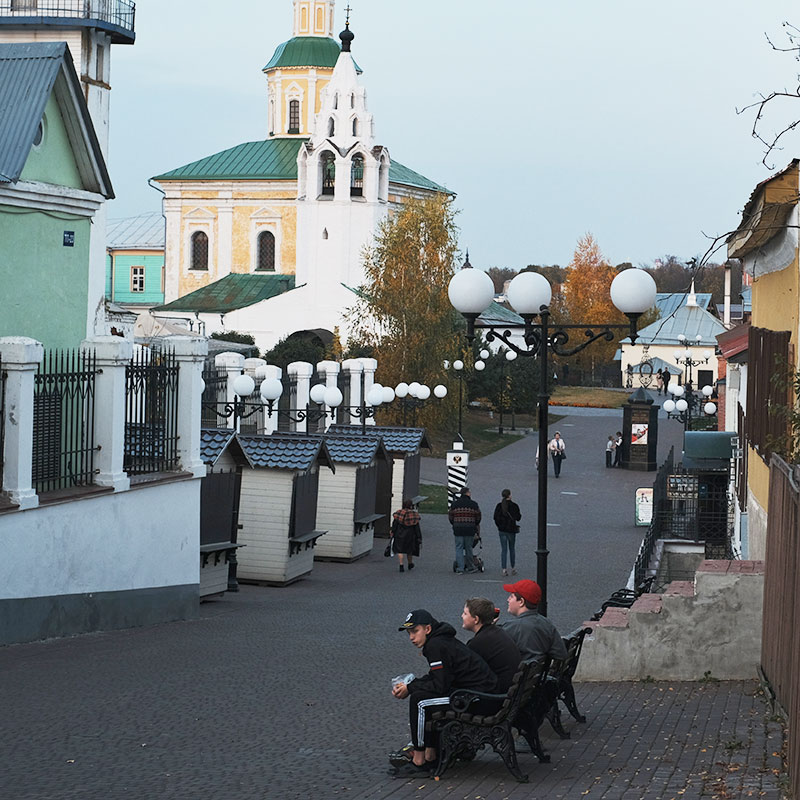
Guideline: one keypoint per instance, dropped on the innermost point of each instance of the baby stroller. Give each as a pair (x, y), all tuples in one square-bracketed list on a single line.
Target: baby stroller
[(476, 559)]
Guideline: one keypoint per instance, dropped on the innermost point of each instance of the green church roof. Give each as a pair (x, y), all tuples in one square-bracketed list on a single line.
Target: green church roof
[(307, 51), (274, 159), (230, 293)]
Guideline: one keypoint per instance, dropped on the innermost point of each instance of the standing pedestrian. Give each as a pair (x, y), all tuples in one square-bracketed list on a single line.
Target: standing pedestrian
[(665, 378), (506, 517), (611, 447), (558, 450), (659, 381), (465, 517), (618, 449), (406, 534)]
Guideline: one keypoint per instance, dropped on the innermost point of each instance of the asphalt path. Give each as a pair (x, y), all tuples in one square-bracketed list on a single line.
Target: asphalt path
[(591, 533)]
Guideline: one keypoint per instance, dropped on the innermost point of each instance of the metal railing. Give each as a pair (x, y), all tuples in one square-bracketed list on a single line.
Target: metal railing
[(661, 512), (151, 413), (121, 13), (63, 421)]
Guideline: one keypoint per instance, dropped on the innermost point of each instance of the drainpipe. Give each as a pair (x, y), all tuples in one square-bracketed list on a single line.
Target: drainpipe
[(726, 314)]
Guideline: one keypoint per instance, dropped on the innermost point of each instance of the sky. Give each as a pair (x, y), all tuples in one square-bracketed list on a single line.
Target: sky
[(547, 119)]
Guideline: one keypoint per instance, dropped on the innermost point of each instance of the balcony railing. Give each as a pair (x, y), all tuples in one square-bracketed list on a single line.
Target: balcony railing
[(119, 13)]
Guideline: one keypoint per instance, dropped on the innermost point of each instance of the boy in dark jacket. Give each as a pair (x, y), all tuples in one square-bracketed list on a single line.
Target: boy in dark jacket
[(452, 665), (491, 642)]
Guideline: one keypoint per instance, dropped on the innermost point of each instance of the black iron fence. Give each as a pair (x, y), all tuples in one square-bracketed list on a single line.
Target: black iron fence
[(63, 421), (115, 12), (661, 514), (215, 396), (151, 413)]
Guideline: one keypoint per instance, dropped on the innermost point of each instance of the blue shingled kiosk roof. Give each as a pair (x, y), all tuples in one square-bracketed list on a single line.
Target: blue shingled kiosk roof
[(213, 442), (395, 440), (347, 447), (285, 452)]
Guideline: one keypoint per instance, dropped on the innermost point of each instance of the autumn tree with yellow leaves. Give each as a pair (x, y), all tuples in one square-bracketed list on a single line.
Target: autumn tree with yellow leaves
[(587, 300), (404, 316)]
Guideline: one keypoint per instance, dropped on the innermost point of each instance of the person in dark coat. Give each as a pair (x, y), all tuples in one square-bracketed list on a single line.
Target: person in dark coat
[(465, 517), (506, 517), (490, 641), (452, 665), (406, 534)]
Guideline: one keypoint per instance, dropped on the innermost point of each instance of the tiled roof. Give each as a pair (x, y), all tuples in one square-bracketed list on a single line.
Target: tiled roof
[(285, 452), (395, 440), (231, 292), (213, 442), (273, 159), (307, 51), (143, 232), (690, 321)]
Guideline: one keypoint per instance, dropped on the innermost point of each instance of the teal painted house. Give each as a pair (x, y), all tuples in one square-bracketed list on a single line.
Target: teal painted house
[(53, 180), (135, 261)]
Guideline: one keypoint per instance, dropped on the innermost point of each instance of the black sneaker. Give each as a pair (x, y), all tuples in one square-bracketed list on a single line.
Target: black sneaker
[(401, 757), (411, 770), (411, 566)]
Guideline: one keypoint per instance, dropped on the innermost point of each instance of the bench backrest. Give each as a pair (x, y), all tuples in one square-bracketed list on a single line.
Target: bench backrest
[(574, 644), (529, 676)]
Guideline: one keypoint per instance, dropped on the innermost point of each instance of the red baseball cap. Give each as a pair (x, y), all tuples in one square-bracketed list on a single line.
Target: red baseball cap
[(527, 589)]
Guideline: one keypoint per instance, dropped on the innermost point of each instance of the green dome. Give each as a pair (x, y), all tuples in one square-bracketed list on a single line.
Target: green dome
[(306, 51)]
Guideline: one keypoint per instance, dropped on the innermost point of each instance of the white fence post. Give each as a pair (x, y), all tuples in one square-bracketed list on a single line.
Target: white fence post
[(21, 358), (190, 353)]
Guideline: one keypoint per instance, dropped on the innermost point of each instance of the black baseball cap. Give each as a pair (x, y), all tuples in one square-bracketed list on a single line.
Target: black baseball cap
[(418, 617)]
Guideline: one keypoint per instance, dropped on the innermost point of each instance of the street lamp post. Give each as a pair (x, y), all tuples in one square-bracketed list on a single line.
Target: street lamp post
[(458, 366), (683, 408), (471, 292), (508, 355)]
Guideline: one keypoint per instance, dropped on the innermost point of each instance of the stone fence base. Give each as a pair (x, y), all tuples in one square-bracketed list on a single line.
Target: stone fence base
[(709, 627)]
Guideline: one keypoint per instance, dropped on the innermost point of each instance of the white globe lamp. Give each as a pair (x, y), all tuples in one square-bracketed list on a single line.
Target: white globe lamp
[(528, 292), (317, 393), (401, 390), (333, 397), (244, 385), (669, 406), (633, 291), (681, 405), (440, 391), (471, 291), (424, 392)]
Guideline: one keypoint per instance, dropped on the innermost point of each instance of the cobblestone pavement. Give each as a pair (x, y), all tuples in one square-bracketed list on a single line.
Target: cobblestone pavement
[(284, 693)]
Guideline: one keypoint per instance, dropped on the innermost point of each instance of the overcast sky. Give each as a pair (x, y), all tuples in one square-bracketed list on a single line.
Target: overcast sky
[(548, 119)]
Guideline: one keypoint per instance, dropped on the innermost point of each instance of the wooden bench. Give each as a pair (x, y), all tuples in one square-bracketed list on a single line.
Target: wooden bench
[(462, 733)]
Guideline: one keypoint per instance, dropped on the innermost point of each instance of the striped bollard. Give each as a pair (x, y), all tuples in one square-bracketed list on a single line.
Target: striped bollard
[(457, 471)]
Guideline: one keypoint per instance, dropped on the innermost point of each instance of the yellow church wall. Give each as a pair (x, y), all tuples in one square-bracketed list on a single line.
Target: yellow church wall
[(244, 227), (191, 280)]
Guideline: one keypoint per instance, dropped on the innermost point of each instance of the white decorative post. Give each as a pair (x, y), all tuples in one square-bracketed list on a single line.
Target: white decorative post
[(252, 364), (233, 364), (271, 420), (354, 369), (21, 358), (112, 355), (302, 372), (370, 365), (329, 370), (190, 353)]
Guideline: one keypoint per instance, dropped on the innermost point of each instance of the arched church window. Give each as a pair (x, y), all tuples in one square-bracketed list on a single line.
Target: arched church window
[(324, 233), (328, 162), (199, 250), (336, 100), (355, 127), (331, 127), (266, 252), (294, 116), (352, 101), (357, 177)]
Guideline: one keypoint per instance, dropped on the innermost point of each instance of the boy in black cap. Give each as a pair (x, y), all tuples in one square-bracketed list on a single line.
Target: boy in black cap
[(452, 665)]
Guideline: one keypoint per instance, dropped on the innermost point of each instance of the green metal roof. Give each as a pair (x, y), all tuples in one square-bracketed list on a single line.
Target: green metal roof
[(274, 159), (497, 313), (231, 293), (307, 51)]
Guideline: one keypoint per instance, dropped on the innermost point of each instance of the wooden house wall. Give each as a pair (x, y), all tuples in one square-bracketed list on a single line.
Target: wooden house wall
[(335, 511)]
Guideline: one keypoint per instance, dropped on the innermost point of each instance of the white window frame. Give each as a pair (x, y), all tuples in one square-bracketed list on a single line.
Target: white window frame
[(137, 271)]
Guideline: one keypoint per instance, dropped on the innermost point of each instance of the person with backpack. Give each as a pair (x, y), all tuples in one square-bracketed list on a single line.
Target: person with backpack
[(506, 517)]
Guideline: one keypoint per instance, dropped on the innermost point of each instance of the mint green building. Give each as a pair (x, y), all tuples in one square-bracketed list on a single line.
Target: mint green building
[(135, 261), (53, 180)]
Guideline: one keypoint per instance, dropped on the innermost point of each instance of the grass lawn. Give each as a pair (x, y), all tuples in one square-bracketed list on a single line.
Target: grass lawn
[(437, 499), (591, 396)]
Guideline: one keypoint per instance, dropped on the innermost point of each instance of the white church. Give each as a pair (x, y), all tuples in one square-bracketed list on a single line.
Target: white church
[(267, 236)]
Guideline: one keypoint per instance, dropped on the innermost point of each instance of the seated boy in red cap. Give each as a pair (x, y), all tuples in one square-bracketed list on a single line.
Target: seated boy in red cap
[(452, 665), (534, 634)]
